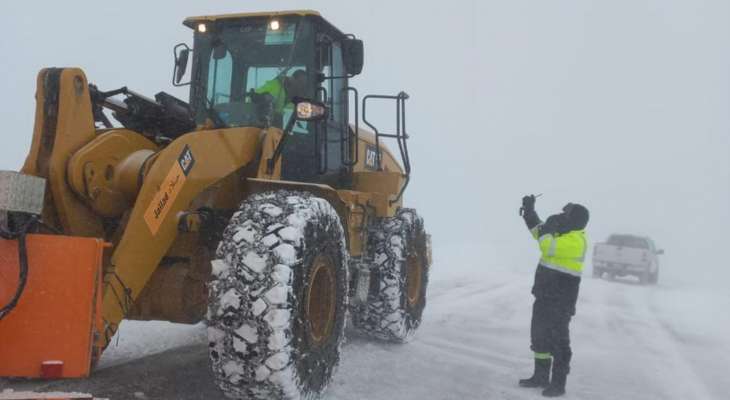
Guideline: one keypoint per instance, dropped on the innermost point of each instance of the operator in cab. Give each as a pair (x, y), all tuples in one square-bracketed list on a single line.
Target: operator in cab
[(563, 246), (282, 90)]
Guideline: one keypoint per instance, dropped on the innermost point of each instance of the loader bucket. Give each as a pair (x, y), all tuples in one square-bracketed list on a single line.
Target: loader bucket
[(51, 331)]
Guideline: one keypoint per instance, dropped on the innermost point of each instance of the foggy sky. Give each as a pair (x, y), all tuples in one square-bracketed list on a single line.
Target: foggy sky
[(621, 105)]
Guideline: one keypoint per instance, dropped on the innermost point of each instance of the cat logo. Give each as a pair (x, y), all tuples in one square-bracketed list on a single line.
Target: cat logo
[(186, 160), (371, 157), (169, 190)]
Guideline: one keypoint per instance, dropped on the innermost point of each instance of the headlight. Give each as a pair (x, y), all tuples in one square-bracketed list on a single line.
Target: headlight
[(310, 111)]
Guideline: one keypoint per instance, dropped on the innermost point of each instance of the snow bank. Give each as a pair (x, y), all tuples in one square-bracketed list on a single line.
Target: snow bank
[(136, 339)]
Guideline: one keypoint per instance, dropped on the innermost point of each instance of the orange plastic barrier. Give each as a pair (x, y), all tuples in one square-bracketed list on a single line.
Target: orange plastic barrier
[(50, 333)]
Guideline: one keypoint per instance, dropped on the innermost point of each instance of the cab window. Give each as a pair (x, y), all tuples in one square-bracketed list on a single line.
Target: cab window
[(330, 91), (219, 74), (258, 77), (236, 60)]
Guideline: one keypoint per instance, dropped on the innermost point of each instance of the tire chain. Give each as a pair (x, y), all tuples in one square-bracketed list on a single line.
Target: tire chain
[(385, 315), (252, 306)]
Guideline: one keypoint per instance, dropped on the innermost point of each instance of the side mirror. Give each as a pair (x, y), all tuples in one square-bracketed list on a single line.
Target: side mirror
[(309, 110), (354, 55), (660, 252), (182, 53)]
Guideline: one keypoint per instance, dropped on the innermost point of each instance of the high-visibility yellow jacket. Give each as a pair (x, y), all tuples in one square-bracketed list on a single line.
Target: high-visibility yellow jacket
[(564, 253), (275, 88)]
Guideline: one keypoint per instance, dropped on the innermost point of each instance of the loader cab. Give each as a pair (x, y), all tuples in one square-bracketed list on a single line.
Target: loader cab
[(246, 69)]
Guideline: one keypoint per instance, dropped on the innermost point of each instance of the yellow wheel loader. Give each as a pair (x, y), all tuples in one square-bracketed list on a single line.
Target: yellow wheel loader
[(260, 206)]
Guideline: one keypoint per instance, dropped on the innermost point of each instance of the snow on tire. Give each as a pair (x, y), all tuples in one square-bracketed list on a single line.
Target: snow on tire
[(278, 298), (400, 250)]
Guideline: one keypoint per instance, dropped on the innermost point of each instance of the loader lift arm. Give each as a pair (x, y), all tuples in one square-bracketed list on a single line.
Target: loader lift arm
[(168, 191)]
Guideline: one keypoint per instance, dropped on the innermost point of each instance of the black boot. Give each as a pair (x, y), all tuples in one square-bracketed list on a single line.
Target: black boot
[(557, 384), (541, 377)]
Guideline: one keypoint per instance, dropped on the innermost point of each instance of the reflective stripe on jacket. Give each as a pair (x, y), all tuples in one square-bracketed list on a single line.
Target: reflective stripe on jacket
[(565, 253)]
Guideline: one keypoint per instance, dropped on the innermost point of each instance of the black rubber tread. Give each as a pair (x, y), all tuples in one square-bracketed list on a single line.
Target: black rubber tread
[(259, 346), (386, 314)]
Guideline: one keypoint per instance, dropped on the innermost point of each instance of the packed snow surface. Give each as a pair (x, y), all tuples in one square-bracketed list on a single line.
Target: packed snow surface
[(13, 395), (668, 341)]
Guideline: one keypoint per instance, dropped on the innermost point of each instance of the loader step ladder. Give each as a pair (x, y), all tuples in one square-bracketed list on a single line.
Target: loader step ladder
[(400, 135)]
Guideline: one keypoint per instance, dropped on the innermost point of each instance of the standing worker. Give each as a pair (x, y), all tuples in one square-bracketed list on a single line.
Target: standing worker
[(563, 247)]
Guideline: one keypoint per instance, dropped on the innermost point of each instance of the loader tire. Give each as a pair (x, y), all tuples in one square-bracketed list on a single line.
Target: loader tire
[(400, 251), (278, 298)]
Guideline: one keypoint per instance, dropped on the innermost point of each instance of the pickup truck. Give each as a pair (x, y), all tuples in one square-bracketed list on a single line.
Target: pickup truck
[(623, 255)]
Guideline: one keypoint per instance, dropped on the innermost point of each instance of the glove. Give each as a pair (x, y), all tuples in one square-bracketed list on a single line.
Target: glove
[(261, 98), (528, 203)]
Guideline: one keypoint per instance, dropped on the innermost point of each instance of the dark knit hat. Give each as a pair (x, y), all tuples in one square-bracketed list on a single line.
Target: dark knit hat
[(577, 216)]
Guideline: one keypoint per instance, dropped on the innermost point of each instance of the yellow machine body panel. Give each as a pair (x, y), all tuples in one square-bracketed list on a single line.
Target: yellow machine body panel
[(180, 173), (106, 172), (369, 179)]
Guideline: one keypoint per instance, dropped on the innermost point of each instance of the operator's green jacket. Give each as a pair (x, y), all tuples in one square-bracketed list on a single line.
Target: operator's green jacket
[(275, 88)]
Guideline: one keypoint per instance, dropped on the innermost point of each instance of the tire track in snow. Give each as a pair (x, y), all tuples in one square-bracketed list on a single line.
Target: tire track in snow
[(467, 294), (693, 386), (471, 354), (699, 348), (649, 344), (466, 289)]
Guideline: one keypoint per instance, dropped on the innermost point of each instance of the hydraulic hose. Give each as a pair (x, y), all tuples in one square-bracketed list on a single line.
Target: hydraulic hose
[(20, 235)]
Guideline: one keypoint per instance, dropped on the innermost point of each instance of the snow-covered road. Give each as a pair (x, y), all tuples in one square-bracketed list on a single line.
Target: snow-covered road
[(630, 342)]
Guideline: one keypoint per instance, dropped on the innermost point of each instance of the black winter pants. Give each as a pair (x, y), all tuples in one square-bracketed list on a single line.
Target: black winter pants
[(550, 332)]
